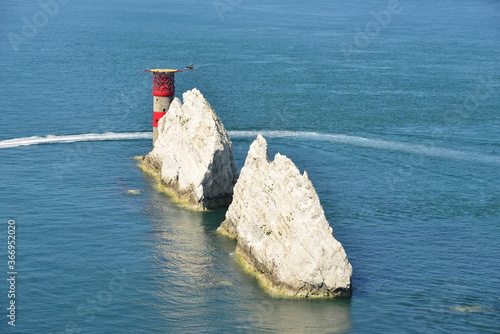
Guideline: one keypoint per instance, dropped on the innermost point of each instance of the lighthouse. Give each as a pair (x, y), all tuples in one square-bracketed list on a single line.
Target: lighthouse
[(163, 94)]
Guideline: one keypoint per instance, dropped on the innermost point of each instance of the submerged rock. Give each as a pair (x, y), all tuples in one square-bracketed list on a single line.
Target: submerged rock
[(193, 155), (282, 234)]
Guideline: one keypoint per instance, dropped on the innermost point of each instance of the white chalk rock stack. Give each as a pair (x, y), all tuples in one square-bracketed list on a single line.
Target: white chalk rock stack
[(282, 234), (193, 155)]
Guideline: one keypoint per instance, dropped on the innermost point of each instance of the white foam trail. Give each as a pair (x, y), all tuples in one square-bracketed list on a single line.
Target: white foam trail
[(428, 150), (434, 151), (51, 139)]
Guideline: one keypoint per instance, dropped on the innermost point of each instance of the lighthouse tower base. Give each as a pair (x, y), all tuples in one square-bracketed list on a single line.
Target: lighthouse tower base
[(160, 107)]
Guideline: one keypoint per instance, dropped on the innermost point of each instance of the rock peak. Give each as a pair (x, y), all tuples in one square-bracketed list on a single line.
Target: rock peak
[(257, 151), (283, 235), (193, 155)]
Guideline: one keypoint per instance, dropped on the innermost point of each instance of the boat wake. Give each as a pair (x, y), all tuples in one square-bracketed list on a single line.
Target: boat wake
[(52, 139), (428, 150)]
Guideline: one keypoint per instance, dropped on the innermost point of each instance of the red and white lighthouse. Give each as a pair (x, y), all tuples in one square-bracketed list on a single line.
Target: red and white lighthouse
[(163, 94)]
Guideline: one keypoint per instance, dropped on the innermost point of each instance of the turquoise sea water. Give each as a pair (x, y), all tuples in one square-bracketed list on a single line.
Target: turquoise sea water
[(391, 107)]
